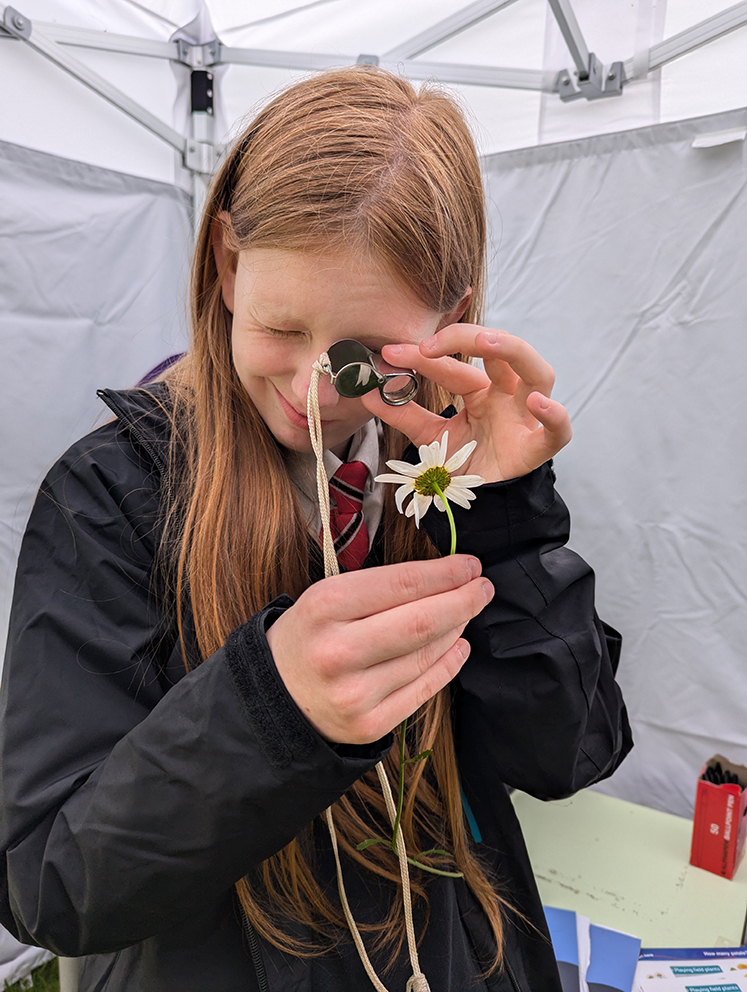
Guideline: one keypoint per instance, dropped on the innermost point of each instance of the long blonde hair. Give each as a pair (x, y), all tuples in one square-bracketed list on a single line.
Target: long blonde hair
[(351, 160)]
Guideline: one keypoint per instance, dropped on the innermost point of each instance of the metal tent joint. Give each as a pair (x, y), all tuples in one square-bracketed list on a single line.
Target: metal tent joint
[(198, 56), (201, 157), (15, 24), (594, 84)]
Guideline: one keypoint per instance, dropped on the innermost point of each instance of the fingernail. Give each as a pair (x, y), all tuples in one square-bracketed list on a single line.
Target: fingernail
[(491, 337), (394, 349), (429, 344), (463, 648), (475, 568), (487, 590)]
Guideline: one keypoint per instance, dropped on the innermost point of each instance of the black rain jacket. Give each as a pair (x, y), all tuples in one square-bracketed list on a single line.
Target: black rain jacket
[(135, 795)]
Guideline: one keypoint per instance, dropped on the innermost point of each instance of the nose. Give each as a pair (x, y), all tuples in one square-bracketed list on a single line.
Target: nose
[(328, 395)]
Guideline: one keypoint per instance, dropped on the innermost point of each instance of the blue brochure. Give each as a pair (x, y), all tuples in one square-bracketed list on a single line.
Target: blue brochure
[(591, 958), (614, 956), (562, 926)]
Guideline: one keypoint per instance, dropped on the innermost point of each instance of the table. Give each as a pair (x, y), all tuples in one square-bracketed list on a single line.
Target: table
[(626, 866)]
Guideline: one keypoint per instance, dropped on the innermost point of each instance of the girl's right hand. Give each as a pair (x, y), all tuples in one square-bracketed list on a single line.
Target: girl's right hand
[(361, 651)]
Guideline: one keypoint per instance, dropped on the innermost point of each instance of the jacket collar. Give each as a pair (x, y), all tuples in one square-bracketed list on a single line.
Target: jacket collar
[(144, 413)]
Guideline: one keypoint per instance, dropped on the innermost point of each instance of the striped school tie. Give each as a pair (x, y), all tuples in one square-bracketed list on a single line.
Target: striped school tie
[(346, 518)]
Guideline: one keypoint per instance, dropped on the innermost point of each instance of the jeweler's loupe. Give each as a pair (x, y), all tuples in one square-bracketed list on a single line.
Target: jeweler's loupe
[(355, 370)]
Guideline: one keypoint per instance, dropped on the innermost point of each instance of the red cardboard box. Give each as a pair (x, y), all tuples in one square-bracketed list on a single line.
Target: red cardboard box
[(719, 823)]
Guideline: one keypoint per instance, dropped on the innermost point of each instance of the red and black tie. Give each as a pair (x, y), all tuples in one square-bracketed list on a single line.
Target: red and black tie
[(346, 518)]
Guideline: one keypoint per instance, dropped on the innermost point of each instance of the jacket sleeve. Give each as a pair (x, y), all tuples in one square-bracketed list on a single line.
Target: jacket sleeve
[(536, 705), (132, 794)]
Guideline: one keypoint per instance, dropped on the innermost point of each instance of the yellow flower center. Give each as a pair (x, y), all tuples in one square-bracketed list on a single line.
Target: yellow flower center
[(424, 483)]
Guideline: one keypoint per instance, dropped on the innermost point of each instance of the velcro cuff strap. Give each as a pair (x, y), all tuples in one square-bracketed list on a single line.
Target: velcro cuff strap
[(280, 728)]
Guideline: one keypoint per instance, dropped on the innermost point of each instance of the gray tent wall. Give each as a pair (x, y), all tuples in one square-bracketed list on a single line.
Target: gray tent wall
[(622, 259), (93, 267)]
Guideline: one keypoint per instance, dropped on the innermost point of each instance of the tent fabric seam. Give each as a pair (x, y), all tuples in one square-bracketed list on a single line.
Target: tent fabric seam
[(597, 145), (81, 173)]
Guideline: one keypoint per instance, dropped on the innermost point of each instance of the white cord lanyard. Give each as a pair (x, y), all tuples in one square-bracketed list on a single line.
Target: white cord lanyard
[(418, 981)]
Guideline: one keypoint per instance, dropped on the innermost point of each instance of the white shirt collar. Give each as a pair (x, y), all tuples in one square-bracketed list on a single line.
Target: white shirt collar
[(365, 446)]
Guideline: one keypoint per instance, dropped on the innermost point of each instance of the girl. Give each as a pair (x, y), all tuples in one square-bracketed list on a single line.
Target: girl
[(185, 694)]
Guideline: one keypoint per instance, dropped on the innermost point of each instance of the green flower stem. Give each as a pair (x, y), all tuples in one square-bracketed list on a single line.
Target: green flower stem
[(434, 871), (401, 787), (449, 514), (403, 727), (402, 734)]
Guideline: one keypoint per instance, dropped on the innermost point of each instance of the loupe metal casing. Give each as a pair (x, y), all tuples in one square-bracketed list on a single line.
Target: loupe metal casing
[(355, 370)]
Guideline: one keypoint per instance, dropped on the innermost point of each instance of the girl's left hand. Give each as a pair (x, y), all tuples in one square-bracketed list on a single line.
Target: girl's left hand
[(507, 407)]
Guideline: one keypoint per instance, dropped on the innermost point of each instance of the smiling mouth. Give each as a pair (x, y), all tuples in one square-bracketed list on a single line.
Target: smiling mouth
[(297, 419)]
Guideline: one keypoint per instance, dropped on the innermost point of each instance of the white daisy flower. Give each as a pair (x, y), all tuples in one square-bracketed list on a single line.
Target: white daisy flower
[(432, 478)]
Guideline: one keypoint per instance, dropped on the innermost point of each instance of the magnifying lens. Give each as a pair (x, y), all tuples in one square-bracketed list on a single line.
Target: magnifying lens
[(354, 370)]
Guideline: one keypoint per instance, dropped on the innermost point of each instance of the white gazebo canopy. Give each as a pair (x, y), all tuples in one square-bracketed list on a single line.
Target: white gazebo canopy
[(107, 81)]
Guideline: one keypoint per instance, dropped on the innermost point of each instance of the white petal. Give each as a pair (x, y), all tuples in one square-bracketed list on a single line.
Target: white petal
[(402, 493), (443, 449), (459, 496), (421, 506), (405, 468), (467, 481), (460, 457), (412, 510), (439, 504), (429, 454), (393, 478), (425, 456)]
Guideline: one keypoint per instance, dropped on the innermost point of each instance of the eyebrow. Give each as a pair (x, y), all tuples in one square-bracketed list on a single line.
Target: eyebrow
[(285, 317)]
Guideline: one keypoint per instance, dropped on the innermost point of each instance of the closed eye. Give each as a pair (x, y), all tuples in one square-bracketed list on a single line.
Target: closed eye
[(276, 332)]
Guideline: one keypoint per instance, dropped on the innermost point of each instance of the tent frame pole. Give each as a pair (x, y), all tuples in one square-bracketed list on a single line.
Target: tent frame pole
[(104, 41), (443, 30), (693, 38), (201, 146), (572, 35), (19, 26), (447, 72), (199, 153)]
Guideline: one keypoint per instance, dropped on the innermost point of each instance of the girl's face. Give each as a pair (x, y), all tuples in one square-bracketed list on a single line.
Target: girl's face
[(288, 307)]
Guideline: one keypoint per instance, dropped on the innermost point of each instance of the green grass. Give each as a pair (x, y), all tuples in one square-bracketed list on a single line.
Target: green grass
[(46, 979)]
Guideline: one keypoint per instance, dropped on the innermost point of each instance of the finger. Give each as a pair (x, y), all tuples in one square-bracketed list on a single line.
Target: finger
[(395, 673), (414, 421), (531, 368), (351, 711), (371, 591), (402, 703), (412, 626), (464, 340), (458, 377), (555, 430), (495, 348)]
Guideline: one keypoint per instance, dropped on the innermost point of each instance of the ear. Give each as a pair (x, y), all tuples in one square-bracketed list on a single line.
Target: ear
[(225, 259), (453, 316)]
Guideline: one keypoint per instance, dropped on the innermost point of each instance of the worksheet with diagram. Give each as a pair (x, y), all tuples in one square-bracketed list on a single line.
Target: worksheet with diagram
[(717, 969)]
